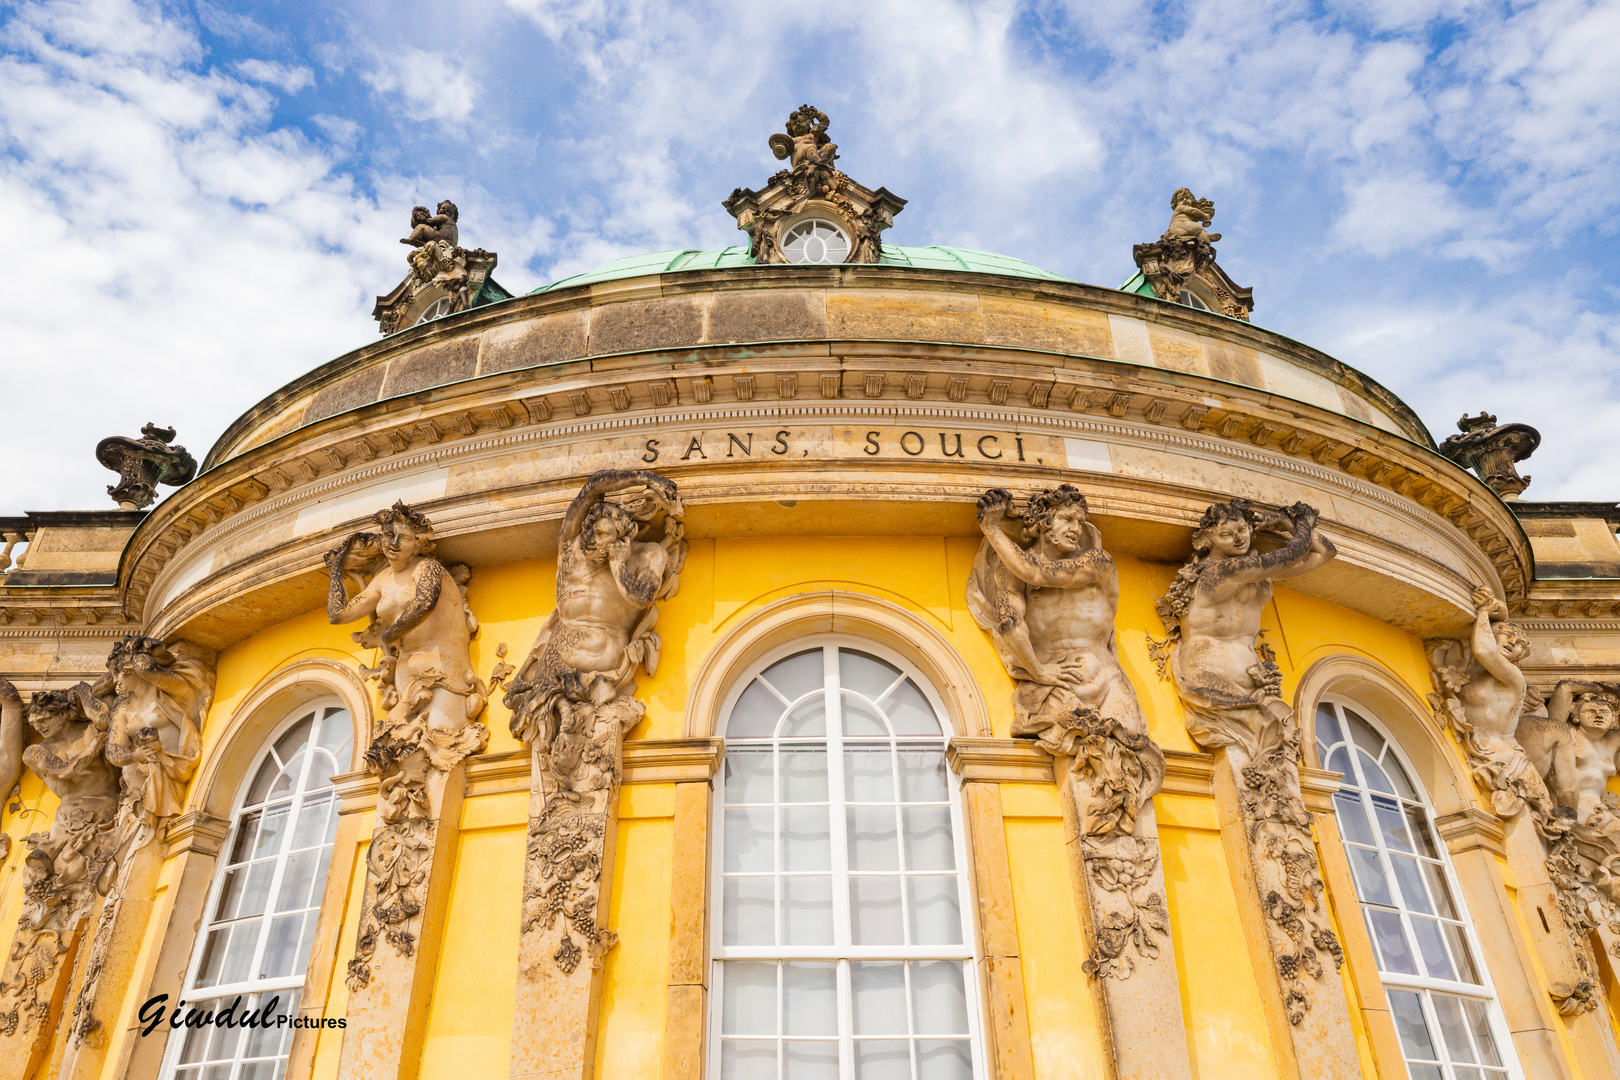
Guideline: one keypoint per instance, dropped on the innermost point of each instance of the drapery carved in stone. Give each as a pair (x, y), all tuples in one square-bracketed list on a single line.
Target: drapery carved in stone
[(418, 617), (1230, 686), (150, 704), (1493, 451), (144, 463), (812, 185), (1479, 694), (573, 699), (1183, 259), (63, 863)]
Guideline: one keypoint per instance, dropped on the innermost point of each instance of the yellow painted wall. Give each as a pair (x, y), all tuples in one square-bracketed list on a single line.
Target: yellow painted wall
[(723, 582)]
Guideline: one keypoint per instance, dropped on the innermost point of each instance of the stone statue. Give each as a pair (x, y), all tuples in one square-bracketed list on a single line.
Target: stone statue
[(1574, 748), (1493, 451), (1231, 689), (418, 616), (64, 863), (434, 228), (1188, 216), (573, 699), (1479, 694), (806, 143), (142, 464)]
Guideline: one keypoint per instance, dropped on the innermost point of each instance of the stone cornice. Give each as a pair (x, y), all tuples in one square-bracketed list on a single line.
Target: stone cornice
[(1472, 828), (196, 831), (999, 760)]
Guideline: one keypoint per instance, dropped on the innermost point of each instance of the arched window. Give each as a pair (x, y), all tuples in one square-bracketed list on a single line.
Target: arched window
[(844, 942), (266, 896), (1439, 993), (815, 241)]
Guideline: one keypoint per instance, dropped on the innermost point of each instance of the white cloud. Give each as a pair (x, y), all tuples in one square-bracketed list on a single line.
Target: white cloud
[(432, 86), (290, 79)]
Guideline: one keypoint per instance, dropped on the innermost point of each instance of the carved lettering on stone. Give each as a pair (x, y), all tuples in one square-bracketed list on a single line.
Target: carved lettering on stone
[(573, 699), (1230, 687), (417, 616)]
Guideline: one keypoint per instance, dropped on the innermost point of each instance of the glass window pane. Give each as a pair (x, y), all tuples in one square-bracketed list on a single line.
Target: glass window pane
[(1424, 1072), (311, 828), (939, 997), (1362, 733), (261, 783), (1435, 958), (336, 736), (749, 908), (1327, 728), (754, 717), (1418, 821), (1352, 816), (748, 998), (882, 1059), (1392, 823), (1466, 972), (1371, 885), (873, 838), (804, 775), (749, 834), (810, 999), (288, 778), (879, 990), (748, 776), (213, 957), (296, 880), (910, 712), (936, 915), (862, 720), (807, 911), (806, 838), (1448, 1010), (864, 673), (868, 776), (796, 675), (239, 956), (271, 827), (806, 719), (938, 1059), (1374, 775), (282, 948), (294, 739), (1438, 889), (874, 911), (1410, 879), (749, 1060), (1397, 776), (922, 776), (1392, 947), (810, 1060), (1481, 1029), (322, 767), (928, 841), (247, 834), (1410, 1024)]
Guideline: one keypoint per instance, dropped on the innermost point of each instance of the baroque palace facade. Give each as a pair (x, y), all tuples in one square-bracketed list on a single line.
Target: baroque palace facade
[(818, 658)]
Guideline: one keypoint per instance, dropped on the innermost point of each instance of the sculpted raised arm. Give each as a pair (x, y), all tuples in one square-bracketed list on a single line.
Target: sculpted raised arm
[(1486, 649), (339, 608), (603, 483), (1086, 568), (1562, 702)]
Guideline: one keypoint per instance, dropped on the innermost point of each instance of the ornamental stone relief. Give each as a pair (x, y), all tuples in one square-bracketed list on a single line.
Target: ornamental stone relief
[(1230, 687), (439, 267), (1493, 451), (142, 464), (417, 616), (1184, 257), (1049, 604)]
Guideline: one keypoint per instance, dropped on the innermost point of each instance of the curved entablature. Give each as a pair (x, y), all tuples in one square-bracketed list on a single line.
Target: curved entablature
[(694, 315)]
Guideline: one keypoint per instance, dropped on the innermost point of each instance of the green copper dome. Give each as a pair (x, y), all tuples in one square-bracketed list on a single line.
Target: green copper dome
[(931, 258)]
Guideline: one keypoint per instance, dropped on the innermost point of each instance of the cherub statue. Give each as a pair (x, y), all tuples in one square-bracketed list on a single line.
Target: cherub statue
[(418, 617), (572, 699), (428, 228), (1575, 746), (1226, 677), (806, 142), (151, 703), (1480, 694), (1049, 606), (1188, 216)]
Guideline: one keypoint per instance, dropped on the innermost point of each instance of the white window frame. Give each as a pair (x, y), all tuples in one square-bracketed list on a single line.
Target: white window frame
[(843, 234), (322, 707), (1485, 990), (968, 953)]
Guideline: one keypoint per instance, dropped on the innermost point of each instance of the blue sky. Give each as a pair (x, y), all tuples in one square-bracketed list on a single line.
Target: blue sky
[(208, 195)]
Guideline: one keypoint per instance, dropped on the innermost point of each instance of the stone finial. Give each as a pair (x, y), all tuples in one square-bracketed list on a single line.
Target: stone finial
[(812, 212), (142, 464), (444, 277), (1180, 266), (1492, 450)]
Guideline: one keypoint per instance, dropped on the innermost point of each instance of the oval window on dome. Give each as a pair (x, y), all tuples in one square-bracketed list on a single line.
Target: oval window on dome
[(815, 241)]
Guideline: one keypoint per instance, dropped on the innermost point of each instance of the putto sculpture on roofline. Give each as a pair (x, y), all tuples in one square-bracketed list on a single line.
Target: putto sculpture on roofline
[(1180, 266), (444, 277), (144, 463), (1492, 451), (812, 212)]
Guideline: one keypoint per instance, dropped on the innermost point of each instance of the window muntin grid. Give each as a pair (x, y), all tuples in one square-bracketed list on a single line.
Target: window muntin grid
[(815, 241), (265, 901), (843, 945), (1445, 1013)]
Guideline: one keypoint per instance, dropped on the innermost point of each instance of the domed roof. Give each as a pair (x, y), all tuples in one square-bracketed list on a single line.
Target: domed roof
[(932, 258)]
